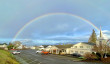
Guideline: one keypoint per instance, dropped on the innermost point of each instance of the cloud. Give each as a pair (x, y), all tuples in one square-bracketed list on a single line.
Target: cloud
[(56, 25), (106, 34), (105, 31), (62, 27)]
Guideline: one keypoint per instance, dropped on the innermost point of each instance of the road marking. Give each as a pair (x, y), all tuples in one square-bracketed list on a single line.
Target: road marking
[(33, 61), (40, 63)]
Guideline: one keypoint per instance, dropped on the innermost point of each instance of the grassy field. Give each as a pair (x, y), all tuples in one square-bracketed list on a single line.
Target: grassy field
[(7, 58)]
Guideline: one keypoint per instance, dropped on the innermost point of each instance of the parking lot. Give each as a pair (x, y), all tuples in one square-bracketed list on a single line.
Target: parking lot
[(30, 57)]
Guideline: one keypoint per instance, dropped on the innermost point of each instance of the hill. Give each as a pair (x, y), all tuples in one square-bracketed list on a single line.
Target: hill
[(7, 58)]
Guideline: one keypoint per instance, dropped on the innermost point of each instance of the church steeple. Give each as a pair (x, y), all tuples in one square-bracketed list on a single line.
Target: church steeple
[(101, 34), (101, 40)]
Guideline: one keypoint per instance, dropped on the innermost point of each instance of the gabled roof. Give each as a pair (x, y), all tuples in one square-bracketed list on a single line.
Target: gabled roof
[(45, 46), (90, 43), (64, 46), (3, 44), (85, 43)]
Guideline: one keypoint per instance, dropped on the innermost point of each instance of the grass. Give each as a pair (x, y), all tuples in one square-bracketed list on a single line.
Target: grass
[(7, 58)]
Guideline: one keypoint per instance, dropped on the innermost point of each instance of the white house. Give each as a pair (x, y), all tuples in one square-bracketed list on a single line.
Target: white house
[(81, 48), (52, 49), (3, 45), (48, 48), (64, 49), (32, 47), (41, 47), (58, 49)]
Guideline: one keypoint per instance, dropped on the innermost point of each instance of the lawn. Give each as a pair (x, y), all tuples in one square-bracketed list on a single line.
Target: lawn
[(7, 58)]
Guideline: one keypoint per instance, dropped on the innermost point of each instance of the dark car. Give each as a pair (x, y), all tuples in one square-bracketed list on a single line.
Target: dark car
[(76, 55)]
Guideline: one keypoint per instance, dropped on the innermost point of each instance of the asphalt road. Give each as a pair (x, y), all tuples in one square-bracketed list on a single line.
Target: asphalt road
[(30, 57)]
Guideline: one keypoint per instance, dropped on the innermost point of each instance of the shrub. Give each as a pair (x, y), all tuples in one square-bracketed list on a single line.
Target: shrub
[(90, 56), (105, 59)]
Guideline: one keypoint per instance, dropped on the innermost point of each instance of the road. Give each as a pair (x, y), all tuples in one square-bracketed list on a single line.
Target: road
[(30, 57)]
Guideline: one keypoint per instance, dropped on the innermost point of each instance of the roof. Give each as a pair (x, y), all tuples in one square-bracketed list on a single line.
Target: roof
[(86, 43), (16, 42), (3, 44), (64, 46), (45, 46), (89, 43)]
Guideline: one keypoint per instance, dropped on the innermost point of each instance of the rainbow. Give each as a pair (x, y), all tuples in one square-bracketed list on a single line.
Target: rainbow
[(50, 14)]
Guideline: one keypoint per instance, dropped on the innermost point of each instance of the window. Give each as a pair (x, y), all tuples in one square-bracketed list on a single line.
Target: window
[(75, 46), (81, 52), (76, 51), (65, 50), (100, 43), (88, 46), (81, 46)]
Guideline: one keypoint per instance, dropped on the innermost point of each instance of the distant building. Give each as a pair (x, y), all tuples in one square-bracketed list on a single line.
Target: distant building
[(64, 49), (79, 48), (41, 47), (18, 45), (52, 49), (25, 47), (3, 46), (48, 48), (58, 49), (32, 47)]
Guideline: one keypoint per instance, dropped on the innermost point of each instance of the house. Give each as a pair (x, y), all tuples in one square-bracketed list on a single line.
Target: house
[(25, 47), (41, 47), (18, 45), (58, 49), (3, 46), (52, 49), (81, 48), (48, 48), (32, 47), (64, 49)]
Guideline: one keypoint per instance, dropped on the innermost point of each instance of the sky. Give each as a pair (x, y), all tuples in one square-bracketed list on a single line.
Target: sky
[(14, 14)]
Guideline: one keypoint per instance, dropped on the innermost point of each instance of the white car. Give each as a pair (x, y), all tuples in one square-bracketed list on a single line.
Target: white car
[(16, 52), (38, 51)]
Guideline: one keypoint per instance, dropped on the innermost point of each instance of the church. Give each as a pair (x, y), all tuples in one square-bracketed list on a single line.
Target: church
[(101, 40)]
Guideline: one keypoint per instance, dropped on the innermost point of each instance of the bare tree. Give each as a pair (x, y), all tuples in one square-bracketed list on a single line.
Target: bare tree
[(101, 49)]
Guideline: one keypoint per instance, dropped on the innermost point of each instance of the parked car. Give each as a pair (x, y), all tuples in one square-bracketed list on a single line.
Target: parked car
[(16, 52), (45, 52), (38, 51), (76, 55)]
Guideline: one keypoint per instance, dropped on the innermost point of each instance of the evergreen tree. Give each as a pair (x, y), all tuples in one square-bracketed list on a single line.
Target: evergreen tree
[(93, 37)]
